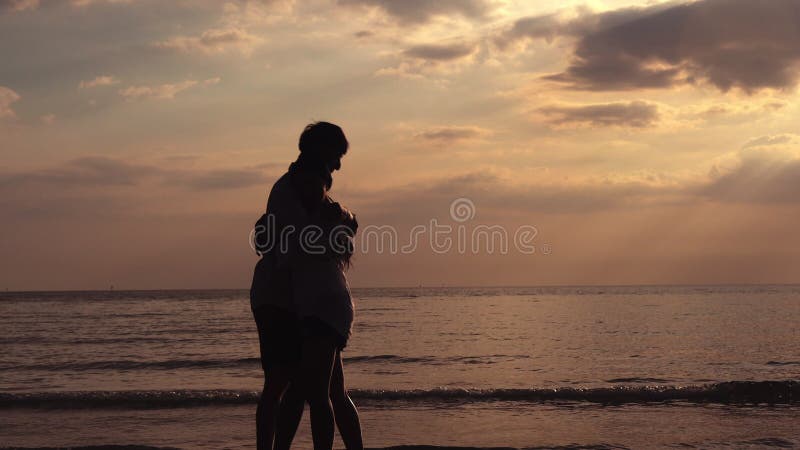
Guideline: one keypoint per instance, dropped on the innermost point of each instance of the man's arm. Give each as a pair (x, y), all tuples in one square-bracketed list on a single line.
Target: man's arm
[(292, 202)]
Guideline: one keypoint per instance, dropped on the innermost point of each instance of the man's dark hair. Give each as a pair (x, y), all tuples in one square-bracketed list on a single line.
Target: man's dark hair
[(323, 139)]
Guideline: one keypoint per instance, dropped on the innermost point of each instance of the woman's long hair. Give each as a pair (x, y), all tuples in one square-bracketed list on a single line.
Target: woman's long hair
[(341, 232)]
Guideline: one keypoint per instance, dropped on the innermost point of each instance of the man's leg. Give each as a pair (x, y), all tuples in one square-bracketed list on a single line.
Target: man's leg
[(289, 416), (275, 385)]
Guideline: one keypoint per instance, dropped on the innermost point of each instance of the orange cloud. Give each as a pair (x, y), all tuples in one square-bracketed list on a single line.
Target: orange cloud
[(101, 80), (448, 135), (216, 40), (770, 140), (163, 91), (7, 97)]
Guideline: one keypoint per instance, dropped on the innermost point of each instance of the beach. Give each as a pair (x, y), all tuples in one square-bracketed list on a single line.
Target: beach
[(551, 367)]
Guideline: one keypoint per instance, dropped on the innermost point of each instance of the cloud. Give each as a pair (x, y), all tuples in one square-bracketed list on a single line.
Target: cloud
[(217, 179), (416, 12), (447, 135), (215, 40), (102, 80), (734, 112), (102, 172), (502, 197), (211, 81), (428, 59), (163, 91), (84, 3), (48, 119), (18, 5), (725, 43), (523, 30), (761, 175), (575, 22), (101, 187), (22, 5), (89, 171), (766, 141), (434, 52), (7, 97), (255, 13), (757, 178), (637, 114)]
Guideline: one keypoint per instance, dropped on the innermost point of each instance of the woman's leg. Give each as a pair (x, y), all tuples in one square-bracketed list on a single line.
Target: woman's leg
[(345, 411), (289, 416), (275, 385), (315, 374)]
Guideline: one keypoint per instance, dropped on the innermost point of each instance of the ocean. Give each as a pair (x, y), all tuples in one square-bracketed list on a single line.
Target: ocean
[(512, 367)]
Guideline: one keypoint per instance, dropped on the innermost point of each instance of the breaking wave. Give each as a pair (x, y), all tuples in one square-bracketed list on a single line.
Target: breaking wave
[(747, 392), (172, 364)]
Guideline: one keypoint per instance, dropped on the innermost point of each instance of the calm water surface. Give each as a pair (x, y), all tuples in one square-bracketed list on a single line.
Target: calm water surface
[(449, 366)]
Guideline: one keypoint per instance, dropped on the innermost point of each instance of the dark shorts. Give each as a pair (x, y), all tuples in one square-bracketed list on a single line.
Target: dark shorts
[(316, 328), (280, 336)]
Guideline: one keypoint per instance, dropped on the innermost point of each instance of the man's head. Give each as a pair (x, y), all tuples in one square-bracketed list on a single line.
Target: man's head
[(324, 142)]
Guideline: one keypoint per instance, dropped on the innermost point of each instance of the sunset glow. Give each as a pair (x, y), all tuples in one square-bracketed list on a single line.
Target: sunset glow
[(647, 142)]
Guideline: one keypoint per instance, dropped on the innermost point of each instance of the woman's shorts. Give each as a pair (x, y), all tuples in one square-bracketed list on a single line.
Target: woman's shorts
[(279, 335), (314, 327)]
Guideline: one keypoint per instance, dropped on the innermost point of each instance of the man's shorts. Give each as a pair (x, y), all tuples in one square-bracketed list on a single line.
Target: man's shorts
[(279, 335)]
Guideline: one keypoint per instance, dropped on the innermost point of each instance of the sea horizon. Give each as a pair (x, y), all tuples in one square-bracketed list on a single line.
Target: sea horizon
[(454, 286)]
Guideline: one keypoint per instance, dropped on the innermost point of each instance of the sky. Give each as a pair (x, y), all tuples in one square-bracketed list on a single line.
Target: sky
[(644, 142)]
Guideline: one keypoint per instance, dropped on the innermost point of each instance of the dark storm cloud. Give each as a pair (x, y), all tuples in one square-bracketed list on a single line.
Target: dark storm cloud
[(415, 12), (435, 52), (551, 26), (630, 114), (728, 43)]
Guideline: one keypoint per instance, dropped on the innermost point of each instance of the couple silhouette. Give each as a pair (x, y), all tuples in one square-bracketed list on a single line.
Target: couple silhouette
[(301, 301)]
